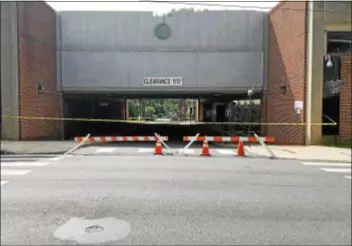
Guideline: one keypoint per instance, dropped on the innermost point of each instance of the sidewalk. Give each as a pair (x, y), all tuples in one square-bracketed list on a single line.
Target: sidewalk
[(36, 147), (302, 153), (296, 152)]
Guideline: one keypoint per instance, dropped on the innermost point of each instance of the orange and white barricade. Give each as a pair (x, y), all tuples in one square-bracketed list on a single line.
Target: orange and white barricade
[(122, 139), (229, 139), (237, 139)]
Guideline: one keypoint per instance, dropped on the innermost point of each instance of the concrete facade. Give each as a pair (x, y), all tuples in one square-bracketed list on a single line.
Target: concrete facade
[(114, 51)]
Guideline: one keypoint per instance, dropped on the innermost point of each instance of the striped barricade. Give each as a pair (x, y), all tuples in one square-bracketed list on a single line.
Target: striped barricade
[(122, 139), (229, 139)]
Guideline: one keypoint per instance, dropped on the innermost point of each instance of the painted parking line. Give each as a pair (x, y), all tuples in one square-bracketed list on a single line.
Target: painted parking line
[(307, 163), (105, 150), (14, 172), (348, 177), (337, 170), (25, 164), (4, 182)]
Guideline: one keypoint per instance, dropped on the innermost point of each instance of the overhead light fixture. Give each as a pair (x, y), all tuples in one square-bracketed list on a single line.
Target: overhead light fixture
[(328, 61), (283, 89), (40, 88), (250, 91)]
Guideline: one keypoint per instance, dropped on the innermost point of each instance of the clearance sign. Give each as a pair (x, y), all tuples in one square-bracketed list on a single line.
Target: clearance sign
[(162, 81)]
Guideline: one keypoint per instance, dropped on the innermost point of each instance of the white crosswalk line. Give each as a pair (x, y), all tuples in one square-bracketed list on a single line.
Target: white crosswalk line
[(187, 151), (26, 157), (337, 170), (21, 163), (25, 164), (105, 150), (226, 151), (348, 177), (145, 150), (307, 163), (19, 159), (14, 172)]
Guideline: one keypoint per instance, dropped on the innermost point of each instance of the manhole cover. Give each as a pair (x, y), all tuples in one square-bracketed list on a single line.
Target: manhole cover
[(94, 232), (94, 229)]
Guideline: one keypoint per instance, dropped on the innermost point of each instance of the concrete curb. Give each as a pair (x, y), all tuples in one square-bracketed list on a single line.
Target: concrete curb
[(297, 159), (31, 153)]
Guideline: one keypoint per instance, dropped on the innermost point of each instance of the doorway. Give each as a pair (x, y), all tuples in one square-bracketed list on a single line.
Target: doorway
[(331, 94)]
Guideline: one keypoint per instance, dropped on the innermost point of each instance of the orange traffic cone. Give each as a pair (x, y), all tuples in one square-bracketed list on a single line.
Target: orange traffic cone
[(205, 149), (240, 149), (158, 149)]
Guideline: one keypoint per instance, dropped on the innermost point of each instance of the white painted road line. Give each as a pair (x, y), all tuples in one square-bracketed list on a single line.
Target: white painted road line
[(326, 164), (55, 159), (105, 150), (145, 150), (24, 164), (348, 177), (4, 182), (337, 170), (14, 172)]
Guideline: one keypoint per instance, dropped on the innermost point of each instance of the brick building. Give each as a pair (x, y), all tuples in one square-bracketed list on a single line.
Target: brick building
[(297, 38), (300, 35), (28, 58)]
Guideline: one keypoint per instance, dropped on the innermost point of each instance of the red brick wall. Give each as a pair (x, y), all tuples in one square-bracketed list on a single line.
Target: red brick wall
[(37, 62), (345, 98), (286, 66)]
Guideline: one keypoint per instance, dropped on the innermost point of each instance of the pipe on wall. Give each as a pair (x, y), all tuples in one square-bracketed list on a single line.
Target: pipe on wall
[(310, 8)]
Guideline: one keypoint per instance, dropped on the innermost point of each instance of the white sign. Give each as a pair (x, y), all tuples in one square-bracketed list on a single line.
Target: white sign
[(162, 81), (298, 106)]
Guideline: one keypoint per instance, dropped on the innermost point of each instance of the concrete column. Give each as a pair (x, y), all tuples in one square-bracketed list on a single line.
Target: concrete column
[(213, 112), (127, 116), (200, 108), (314, 135), (9, 71)]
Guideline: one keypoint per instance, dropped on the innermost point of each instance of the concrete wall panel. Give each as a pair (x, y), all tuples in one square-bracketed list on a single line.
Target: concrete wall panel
[(116, 50), (338, 11), (127, 69)]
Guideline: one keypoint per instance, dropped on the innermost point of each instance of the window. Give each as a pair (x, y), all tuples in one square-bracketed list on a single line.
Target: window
[(339, 42)]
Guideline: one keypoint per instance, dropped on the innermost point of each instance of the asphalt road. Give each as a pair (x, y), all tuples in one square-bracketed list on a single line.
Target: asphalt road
[(169, 200)]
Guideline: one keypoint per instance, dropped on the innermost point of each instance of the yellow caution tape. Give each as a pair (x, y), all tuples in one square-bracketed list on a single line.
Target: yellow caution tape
[(169, 122)]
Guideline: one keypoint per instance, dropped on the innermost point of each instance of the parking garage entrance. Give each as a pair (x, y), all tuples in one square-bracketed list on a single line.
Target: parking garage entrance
[(172, 117)]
